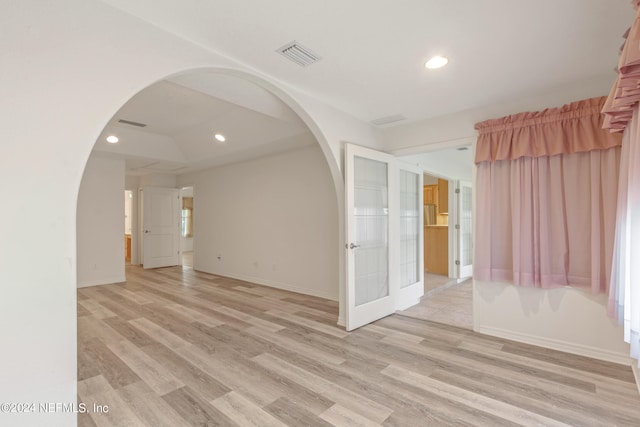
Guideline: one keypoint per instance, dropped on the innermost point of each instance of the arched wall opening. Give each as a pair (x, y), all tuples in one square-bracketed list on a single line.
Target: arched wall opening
[(70, 71), (211, 259)]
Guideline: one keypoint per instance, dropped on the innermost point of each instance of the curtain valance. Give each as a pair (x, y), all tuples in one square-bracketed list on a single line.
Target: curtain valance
[(625, 93), (546, 188), (565, 130)]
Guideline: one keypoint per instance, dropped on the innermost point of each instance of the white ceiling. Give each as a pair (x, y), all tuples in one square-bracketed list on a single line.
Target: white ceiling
[(181, 121), (372, 52)]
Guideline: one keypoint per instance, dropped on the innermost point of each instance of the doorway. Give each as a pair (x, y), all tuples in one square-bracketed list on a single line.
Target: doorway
[(128, 225), (249, 180), (187, 227), (436, 232), (448, 296)]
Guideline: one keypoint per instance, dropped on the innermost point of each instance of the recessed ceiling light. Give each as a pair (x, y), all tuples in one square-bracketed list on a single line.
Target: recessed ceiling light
[(436, 62), (220, 137), (112, 139)]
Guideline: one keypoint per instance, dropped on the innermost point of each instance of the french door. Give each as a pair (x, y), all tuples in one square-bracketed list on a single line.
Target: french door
[(411, 234), (381, 276), (465, 229)]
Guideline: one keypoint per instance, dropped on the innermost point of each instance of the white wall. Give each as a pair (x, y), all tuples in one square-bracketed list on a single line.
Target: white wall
[(564, 319), (53, 51), (158, 180), (458, 129), (131, 182), (100, 223), (429, 180), (449, 163), (271, 220)]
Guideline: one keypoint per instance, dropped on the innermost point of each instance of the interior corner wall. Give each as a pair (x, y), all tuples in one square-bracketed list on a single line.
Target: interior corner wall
[(132, 183), (270, 221), (564, 319), (100, 223)]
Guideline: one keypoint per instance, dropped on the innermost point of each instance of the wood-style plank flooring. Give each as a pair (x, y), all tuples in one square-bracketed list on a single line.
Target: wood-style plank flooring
[(434, 281), (174, 347), (451, 304)]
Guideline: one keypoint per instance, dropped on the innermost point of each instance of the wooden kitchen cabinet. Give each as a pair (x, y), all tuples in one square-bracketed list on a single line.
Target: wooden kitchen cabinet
[(127, 247), (443, 196), (436, 249), (430, 194)]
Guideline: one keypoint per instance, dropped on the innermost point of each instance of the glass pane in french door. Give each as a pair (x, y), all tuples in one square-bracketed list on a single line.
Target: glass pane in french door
[(371, 213), (409, 228), (466, 227)]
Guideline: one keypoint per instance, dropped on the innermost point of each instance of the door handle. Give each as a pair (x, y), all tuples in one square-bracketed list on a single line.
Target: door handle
[(147, 231), (353, 246)]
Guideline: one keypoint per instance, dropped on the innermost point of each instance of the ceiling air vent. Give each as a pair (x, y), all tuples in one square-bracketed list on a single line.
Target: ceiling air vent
[(298, 54), (129, 122), (388, 120)]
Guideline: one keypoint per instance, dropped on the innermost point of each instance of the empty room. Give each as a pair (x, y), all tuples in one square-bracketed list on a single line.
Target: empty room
[(239, 230)]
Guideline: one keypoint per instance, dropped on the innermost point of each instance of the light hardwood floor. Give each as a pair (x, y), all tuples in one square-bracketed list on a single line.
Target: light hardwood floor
[(174, 347), (434, 281), (451, 304)]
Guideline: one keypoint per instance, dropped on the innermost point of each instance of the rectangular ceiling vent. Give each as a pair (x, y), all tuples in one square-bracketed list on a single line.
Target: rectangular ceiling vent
[(388, 120), (129, 122), (299, 54)]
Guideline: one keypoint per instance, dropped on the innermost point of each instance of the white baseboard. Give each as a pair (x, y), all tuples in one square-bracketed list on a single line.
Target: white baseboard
[(277, 285), (107, 281), (579, 349)]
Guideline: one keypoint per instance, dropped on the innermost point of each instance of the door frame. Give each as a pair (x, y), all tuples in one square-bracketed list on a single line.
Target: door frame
[(451, 235)]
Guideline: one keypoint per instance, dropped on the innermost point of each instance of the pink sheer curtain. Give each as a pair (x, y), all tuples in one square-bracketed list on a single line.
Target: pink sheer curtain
[(622, 115), (546, 197), (624, 294), (625, 93)]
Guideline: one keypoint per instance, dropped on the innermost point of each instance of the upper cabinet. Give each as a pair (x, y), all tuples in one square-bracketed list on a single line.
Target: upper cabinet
[(430, 194), (443, 196)]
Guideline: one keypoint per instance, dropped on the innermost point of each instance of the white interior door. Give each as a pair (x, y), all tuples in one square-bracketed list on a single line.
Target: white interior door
[(411, 234), (465, 229), (161, 227), (370, 178)]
